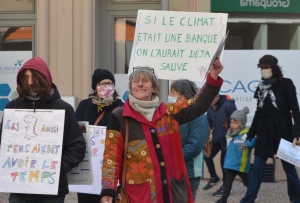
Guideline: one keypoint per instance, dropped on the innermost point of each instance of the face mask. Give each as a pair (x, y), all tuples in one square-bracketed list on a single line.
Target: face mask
[(105, 92), (172, 99), (266, 73)]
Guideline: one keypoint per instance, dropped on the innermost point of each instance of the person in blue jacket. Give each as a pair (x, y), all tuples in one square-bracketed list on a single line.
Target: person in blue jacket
[(238, 154), (193, 134), (218, 116)]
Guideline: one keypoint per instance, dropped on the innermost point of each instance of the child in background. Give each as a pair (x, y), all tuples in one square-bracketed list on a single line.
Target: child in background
[(237, 159)]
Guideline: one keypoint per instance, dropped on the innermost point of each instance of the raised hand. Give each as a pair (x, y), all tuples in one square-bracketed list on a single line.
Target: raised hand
[(216, 69)]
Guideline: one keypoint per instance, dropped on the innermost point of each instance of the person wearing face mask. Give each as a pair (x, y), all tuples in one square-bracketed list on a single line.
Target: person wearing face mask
[(193, 134), (96, 110), (36, 91), (277, 110)]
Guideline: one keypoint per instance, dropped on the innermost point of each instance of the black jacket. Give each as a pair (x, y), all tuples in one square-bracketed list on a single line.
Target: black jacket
[(87, 111), (271, 124), (73, 141)]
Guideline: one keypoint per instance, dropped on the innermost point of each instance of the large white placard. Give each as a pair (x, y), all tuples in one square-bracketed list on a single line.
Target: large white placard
[(288, 153), (82, 174), (97, 139), (31, 148), (176, 44)]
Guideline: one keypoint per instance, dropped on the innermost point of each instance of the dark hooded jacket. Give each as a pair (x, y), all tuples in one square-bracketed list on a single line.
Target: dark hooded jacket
[(73, 141), (219, 118)]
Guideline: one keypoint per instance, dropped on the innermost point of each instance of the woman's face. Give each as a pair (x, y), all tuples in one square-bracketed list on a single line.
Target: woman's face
[(174, 93), (266, 72), (142, 88), (105, 89)]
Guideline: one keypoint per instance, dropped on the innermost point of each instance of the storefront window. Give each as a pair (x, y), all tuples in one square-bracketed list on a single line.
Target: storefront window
[(16, 38), (16, 6), (124, 36), (242, 36)]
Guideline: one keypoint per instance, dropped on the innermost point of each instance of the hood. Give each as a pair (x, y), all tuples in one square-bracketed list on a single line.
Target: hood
[(39, 65), (221, 101)]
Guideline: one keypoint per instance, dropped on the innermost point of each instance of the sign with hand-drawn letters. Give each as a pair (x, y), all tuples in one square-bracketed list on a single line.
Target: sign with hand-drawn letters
[(31, 149), (177, 44)]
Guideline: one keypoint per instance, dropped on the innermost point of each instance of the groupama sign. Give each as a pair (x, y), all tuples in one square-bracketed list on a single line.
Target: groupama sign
[(262, 6)]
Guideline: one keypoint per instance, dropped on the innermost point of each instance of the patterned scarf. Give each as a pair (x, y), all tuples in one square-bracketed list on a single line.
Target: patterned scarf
[(100, 103)]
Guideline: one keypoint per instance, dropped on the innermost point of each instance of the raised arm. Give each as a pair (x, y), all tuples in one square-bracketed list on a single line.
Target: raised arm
[(189, 110)]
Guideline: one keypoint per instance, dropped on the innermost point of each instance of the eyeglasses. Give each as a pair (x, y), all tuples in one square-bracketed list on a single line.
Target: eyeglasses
[(146, 67), (103, 84)]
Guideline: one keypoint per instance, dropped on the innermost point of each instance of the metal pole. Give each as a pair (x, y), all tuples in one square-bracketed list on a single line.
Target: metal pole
[(164, 84)]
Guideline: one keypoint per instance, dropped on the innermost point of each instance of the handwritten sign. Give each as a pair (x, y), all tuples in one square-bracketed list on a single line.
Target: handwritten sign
[(287, 153), (97, 140), (177, 44), (82, 174), (31, 149)]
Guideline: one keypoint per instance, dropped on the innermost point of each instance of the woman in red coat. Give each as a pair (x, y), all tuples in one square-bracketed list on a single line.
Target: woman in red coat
[(155, 169)]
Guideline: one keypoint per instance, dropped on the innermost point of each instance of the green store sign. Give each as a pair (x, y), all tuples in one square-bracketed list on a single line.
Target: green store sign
[(262, 6)]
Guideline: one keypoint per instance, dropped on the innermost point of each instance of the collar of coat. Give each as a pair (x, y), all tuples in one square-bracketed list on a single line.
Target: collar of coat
[(130, 112)]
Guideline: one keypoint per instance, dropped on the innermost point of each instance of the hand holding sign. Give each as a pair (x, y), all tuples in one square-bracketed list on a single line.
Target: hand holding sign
[(217, 55), (216, 69)]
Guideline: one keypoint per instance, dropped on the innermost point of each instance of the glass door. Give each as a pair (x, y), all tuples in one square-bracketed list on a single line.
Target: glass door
[(116, 30)]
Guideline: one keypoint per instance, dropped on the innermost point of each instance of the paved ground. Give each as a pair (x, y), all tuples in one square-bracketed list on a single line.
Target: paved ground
[(269, 193)]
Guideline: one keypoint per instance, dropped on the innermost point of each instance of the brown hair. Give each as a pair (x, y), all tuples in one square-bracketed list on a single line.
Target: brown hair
[(39, 81)]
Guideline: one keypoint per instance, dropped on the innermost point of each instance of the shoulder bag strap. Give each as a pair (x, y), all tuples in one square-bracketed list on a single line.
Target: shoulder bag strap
[(99, 118), (125, 153)]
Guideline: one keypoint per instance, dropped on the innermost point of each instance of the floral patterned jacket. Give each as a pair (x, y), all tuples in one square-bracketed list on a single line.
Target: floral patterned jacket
[(155, 168)]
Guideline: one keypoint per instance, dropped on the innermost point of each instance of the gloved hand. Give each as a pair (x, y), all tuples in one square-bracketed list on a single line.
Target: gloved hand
[(249, 138)]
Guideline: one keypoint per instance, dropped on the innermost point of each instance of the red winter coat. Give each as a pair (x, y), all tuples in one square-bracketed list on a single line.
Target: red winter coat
[(155, 168)]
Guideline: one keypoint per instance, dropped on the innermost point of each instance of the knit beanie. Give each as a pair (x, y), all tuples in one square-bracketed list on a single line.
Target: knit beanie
[(101, 74), (240, 116)]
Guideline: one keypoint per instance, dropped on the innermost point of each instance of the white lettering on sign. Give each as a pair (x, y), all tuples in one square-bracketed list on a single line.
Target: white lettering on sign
[(265, 3)]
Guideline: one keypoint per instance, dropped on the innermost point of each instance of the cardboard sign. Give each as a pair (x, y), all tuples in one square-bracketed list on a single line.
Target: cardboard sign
[(31, 149), (177, 44)]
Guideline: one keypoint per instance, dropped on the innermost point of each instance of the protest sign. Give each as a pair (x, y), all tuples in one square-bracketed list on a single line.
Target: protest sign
[(177, 44), (288, 153), (82, 174), (97, 140), (31, 149)]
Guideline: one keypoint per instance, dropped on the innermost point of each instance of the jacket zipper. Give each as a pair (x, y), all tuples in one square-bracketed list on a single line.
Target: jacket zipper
[(33, 104)]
